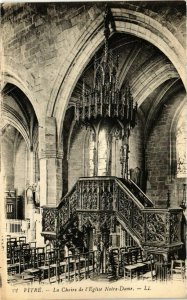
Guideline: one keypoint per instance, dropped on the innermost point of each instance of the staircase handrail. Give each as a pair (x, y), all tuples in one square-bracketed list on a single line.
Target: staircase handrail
[(133, 233), (144, 195), (137, 192), (153, 226), (129, 193), (100, 178), (67, 194)]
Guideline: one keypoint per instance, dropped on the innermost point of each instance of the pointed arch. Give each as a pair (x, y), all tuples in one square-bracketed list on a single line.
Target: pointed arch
[(9, 76)]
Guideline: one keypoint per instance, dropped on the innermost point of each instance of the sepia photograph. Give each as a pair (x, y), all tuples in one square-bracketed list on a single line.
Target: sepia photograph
[(93, 147)]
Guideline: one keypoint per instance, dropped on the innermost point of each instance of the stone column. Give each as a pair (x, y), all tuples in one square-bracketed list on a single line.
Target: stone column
[(29, 213), (50, 164), (29, 200), (31, 167)]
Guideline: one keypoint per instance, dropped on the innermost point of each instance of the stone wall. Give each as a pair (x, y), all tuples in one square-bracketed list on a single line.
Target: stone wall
[(158, 148)]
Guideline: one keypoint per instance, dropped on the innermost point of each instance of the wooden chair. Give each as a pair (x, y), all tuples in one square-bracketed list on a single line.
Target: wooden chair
[(139, 255), (40, 250), (91, 262), (178, 269), (22, 240), (83, 268), (61, 263), (32, 245), (49, 269), (134, 255), (9, 253), (27, 277), (8, 237), (13, 240), (25, 246), (162, 271), (69, 267), (40, 259), (11, 245), (25, 259), (36, 260), (133, 269), (95, 261), (116, 261), (35, 251), (14, 266), (149, 270)]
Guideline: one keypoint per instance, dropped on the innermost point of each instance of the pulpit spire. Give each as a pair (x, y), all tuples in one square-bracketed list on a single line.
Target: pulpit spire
[(105, 99)]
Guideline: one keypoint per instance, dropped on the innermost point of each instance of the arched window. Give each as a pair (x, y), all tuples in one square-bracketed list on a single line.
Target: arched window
[(91, 154), (102, 150), (181, 144), (116, 145), (102, 153)]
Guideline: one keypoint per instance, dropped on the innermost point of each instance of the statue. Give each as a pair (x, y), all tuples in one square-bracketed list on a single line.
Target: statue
[(135, 175), (37, 193), (33, 193), (30, 194), (124, 160)]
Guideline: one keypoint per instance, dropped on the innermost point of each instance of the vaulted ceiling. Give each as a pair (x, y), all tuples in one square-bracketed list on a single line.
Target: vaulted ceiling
[(18, 111)]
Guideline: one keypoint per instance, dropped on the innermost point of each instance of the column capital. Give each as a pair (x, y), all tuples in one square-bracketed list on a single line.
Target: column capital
[(46, 154), (51, 154)]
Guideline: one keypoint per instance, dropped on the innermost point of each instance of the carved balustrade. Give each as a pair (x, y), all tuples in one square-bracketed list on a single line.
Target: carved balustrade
[(100, 199), (96, 193), (152, 226), (163, 226), (50, 219)]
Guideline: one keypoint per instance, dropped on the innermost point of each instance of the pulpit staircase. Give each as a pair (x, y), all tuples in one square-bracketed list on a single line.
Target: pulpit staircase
[(103, 201)]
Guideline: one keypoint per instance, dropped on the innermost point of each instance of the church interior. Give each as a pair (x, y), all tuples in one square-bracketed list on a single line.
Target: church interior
[(93, 140)]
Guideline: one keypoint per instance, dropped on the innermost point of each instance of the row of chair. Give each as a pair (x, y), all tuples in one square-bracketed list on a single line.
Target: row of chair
[(45, 264), (130, 263), (51, 266)]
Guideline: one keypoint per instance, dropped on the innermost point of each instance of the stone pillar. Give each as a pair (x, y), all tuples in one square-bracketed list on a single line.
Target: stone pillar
[(38, 224), (29, 200), (50, 164), (31, 167), (29, 213)]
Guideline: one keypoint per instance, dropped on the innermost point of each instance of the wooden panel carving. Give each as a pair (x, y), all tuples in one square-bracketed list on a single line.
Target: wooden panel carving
[(74, 201), (175, 220), (125, 205), (138, 221), (155, 227), (89, 195), (50, 219), (96, 219), (64, 213)]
